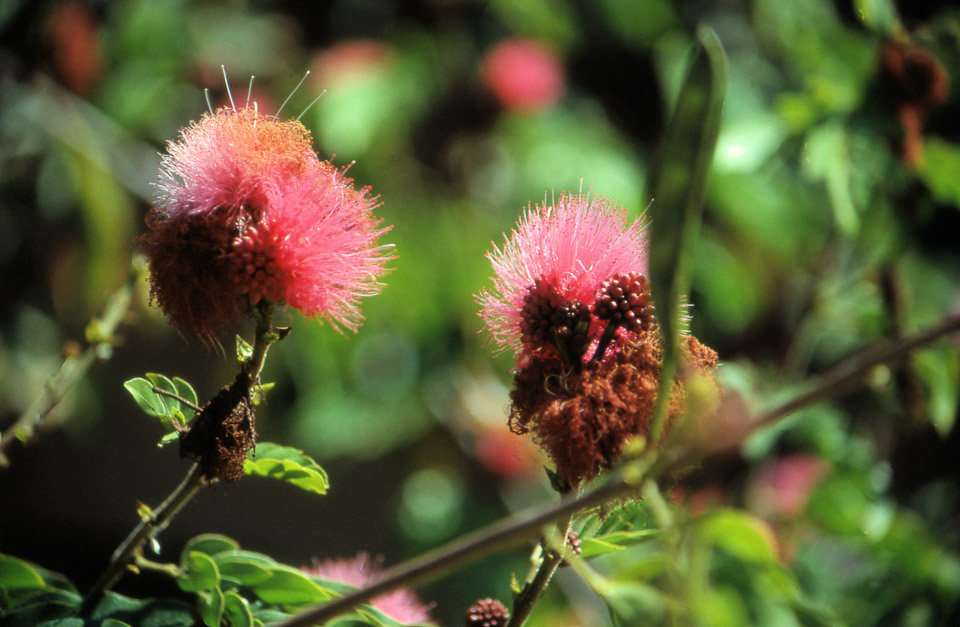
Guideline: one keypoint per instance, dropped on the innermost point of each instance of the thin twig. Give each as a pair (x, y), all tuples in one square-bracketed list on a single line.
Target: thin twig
[(496, 537), (847, 375), (176, 397), (149, 527), (73, 368)]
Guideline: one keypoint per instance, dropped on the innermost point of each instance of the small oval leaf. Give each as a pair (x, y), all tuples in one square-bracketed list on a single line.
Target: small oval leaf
[(209, 543), (200, 573), (290, 587), (287, 464)]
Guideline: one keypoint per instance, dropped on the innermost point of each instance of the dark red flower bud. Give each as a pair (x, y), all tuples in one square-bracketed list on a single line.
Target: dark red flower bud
[(487, 613)]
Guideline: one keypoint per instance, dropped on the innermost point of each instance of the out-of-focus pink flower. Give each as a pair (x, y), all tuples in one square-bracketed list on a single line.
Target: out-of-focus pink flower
[(559, 256), (523, 75), (783, 486), (506, 455), (247, 211), (401, 605), (76, 45)]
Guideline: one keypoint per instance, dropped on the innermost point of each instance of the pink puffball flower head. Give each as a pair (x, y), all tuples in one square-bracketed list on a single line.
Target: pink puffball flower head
[(247, 211), (402, 605), (553, 266)]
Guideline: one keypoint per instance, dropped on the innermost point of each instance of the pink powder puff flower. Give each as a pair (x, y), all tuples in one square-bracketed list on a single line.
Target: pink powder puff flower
[(554, 265), (246, 212), (402, 605)]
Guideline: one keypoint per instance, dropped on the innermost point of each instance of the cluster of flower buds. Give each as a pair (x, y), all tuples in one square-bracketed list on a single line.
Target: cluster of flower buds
[(487, 613)]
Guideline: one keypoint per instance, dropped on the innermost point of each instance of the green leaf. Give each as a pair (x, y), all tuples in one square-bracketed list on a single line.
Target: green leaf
[(741, 535), (39, 607), (591, 547), (136, 612), (185, 390), (142, 392), (679, 182), (941, 162), (257, 558), (719, 607), (164, 383), (210, 603), (236, 610), (879, 15), (244, 350), (939, 369), (112, 622), (242, 570), (287, 586), (200, 573), (16, 574), (287, 464), (632, 603), (209, 543), (259, 392), (172, 413)]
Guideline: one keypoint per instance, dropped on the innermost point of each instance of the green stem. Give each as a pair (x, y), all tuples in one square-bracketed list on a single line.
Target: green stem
[(100, 337), (148, 528), (552, 557), (850, 373), (143, 563), (265, 336)]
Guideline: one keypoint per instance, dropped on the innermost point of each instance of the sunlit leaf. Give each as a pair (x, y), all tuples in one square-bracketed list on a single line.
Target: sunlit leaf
[(211, 604), (287, 464), (210, 544), (941, 162), (286, 586), (185, 390), (740, 534), (236, 610), (242, 570), (147, 400), (939, 370), (16, 574), (244, 349), (199, 573)]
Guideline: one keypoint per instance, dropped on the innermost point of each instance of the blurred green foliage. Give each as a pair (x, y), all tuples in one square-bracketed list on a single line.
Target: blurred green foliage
[(829, 222)]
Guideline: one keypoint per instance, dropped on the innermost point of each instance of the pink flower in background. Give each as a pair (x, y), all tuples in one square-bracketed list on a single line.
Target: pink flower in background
[(523, 75), (76, 45), (505, 455), (401, 605), (783, 486), (554, 264), (247, 211)]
